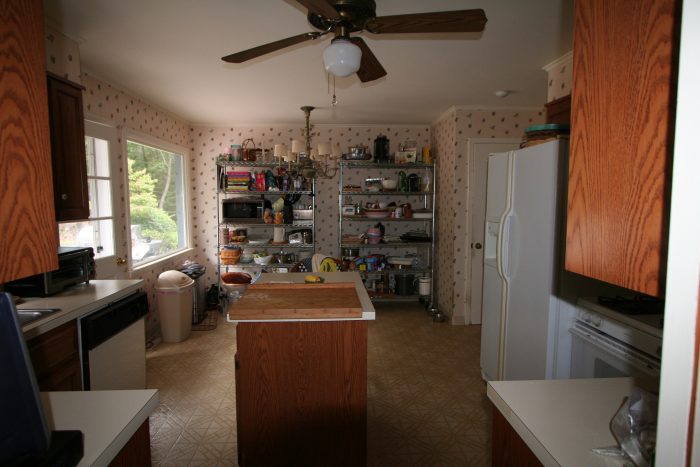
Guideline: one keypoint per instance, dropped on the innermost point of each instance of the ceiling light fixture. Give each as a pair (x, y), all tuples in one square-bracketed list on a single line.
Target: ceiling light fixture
[(342, 57)]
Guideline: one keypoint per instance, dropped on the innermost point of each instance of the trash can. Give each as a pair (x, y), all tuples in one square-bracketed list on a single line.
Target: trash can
[(174, 290), (199, 294)]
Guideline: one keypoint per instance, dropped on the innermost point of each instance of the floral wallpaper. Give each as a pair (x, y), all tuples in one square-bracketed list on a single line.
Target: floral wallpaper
[(559, 77), (62, 55), (450, 135)]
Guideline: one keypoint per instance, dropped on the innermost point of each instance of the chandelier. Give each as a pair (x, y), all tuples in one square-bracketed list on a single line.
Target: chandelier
[(322, 162)]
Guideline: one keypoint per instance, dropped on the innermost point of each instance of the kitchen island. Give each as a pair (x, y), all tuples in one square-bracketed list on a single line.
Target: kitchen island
[(301, 383), (555, 422)]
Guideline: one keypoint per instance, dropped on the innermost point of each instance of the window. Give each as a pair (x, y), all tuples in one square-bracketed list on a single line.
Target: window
[(98, 231), (156, 202)]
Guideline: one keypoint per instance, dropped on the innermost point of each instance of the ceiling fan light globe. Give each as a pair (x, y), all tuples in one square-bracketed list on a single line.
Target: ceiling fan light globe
[(342, 58)]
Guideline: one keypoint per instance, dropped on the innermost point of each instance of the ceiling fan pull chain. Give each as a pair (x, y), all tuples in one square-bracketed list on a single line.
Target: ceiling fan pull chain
[(335, 99)]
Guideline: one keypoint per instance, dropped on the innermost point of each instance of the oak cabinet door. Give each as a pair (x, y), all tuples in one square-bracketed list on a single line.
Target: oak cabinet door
[(621, 141)]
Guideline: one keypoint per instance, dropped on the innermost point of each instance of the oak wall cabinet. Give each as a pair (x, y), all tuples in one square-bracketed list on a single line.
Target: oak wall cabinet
[(622, 123), (29, 242), (68, 149)]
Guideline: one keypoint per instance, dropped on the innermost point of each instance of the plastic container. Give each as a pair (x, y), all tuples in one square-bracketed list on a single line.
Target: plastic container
[(175, 298)]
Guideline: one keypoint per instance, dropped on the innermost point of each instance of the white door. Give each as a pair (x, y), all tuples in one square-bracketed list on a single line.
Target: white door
[(479, 150), (101, 230)]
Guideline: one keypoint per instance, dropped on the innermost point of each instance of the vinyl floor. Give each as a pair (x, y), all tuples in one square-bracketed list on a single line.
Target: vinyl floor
[(427, 404)]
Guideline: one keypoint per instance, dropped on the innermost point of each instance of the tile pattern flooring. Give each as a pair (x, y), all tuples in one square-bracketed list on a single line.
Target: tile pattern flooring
[(426, 402)]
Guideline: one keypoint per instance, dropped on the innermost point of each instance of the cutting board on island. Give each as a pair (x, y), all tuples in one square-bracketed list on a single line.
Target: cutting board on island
[(298, 301)]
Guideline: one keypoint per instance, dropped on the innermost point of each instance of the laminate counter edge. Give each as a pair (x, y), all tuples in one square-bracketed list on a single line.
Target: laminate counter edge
[(107, 419), (76, 302)]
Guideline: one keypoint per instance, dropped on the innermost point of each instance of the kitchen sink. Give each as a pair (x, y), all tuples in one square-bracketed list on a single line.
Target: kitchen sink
[(28, 316)]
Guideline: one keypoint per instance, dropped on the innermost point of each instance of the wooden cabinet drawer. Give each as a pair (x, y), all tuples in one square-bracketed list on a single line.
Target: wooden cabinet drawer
[(55, 358)]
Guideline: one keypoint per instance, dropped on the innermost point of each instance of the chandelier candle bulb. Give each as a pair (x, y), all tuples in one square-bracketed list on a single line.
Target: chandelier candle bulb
[(324, 148), (298, 146)]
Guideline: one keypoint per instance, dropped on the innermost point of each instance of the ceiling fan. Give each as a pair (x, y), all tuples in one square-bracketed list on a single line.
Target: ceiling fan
[(347, 55)]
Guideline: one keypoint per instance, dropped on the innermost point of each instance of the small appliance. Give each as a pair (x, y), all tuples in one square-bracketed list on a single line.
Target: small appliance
[(75, 266), (248, 209)]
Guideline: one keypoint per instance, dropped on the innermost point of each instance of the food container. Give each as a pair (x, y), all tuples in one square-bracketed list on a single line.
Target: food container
[(263, 260), (389, 184), (303, 214)]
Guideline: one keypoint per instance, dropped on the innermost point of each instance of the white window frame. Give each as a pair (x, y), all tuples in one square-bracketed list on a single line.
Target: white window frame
[(148, 140)]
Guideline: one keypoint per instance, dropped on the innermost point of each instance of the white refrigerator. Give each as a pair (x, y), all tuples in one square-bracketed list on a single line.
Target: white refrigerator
[(525, 203)]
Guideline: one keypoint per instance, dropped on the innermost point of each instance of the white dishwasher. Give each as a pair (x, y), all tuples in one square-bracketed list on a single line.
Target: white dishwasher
[(113, 345)]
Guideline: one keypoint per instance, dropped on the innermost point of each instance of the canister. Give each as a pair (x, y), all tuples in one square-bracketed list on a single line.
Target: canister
[(424, 286)]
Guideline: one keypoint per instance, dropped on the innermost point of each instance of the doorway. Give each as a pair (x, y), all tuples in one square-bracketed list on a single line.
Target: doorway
[(479, 150)]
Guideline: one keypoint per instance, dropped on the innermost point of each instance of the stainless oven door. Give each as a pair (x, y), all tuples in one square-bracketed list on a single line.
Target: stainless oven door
[(597, 355)]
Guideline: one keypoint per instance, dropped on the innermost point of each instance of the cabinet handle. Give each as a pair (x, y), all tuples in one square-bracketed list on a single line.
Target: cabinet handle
[(64, 196), (478, 246), (120, 260)]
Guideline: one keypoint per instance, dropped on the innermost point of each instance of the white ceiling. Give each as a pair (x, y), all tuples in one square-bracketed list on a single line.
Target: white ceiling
[(169, 52)]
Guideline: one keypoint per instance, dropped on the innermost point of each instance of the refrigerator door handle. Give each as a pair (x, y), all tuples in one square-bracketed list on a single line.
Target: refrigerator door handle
[(502, 246), (503, 263)]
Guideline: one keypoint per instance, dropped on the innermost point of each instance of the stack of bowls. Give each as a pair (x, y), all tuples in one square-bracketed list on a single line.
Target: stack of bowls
[(374, 235)]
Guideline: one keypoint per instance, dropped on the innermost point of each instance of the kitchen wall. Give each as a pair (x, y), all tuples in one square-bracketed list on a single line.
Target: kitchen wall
[(450, 135), (559, 76), (62, 55)]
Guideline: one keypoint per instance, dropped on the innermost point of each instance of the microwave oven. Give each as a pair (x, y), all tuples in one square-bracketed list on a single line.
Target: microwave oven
[(75, 266), (249, 209)]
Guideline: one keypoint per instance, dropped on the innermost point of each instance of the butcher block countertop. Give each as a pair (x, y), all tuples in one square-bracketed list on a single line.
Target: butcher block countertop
[(285, 297)]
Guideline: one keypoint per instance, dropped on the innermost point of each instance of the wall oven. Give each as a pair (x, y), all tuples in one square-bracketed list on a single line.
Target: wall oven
[(606, 343)]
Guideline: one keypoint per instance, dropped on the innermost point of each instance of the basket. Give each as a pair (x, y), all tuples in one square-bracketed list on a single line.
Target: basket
[(230, 256)]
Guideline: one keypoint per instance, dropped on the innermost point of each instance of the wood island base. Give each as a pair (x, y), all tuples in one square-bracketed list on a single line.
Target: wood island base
[(301, 393)]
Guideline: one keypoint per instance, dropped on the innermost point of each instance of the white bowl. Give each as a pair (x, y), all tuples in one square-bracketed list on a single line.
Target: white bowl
[(389, 184), (262, 260)]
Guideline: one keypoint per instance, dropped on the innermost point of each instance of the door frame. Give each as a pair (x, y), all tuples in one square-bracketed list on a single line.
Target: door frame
[(472, 314), (101, 128)]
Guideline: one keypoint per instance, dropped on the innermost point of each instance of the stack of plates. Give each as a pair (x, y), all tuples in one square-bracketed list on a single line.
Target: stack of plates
[(377, 213), (258, 240)]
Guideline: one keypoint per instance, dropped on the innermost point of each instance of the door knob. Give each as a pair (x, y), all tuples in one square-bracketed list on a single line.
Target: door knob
[(120, 261), (478, 246)]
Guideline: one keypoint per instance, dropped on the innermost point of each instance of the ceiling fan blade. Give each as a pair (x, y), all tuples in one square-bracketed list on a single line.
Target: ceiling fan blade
[(439, 21), (321, 8), (370, 68), (245, 55)]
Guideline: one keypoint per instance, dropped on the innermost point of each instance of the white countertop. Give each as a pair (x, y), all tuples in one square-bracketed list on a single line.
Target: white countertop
[(76, 302), (108, 419), (368, 312), (562, 420)]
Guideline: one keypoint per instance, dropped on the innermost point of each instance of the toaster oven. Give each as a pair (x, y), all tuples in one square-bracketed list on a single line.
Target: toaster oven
[(75, 266)]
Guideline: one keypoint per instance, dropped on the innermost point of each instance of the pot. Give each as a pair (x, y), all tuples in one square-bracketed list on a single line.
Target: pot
[(404, 284), (381, 149)]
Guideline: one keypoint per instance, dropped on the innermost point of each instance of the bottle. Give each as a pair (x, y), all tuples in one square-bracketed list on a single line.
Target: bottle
[(426, 183)]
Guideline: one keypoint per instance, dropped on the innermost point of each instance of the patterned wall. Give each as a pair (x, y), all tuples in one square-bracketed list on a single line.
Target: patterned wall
[(207, 143), (62, 55), (114, 105), (559, 77), (450, 137)]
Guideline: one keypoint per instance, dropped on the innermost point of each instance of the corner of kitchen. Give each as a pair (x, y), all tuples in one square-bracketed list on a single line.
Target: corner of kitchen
[(456, 245)]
